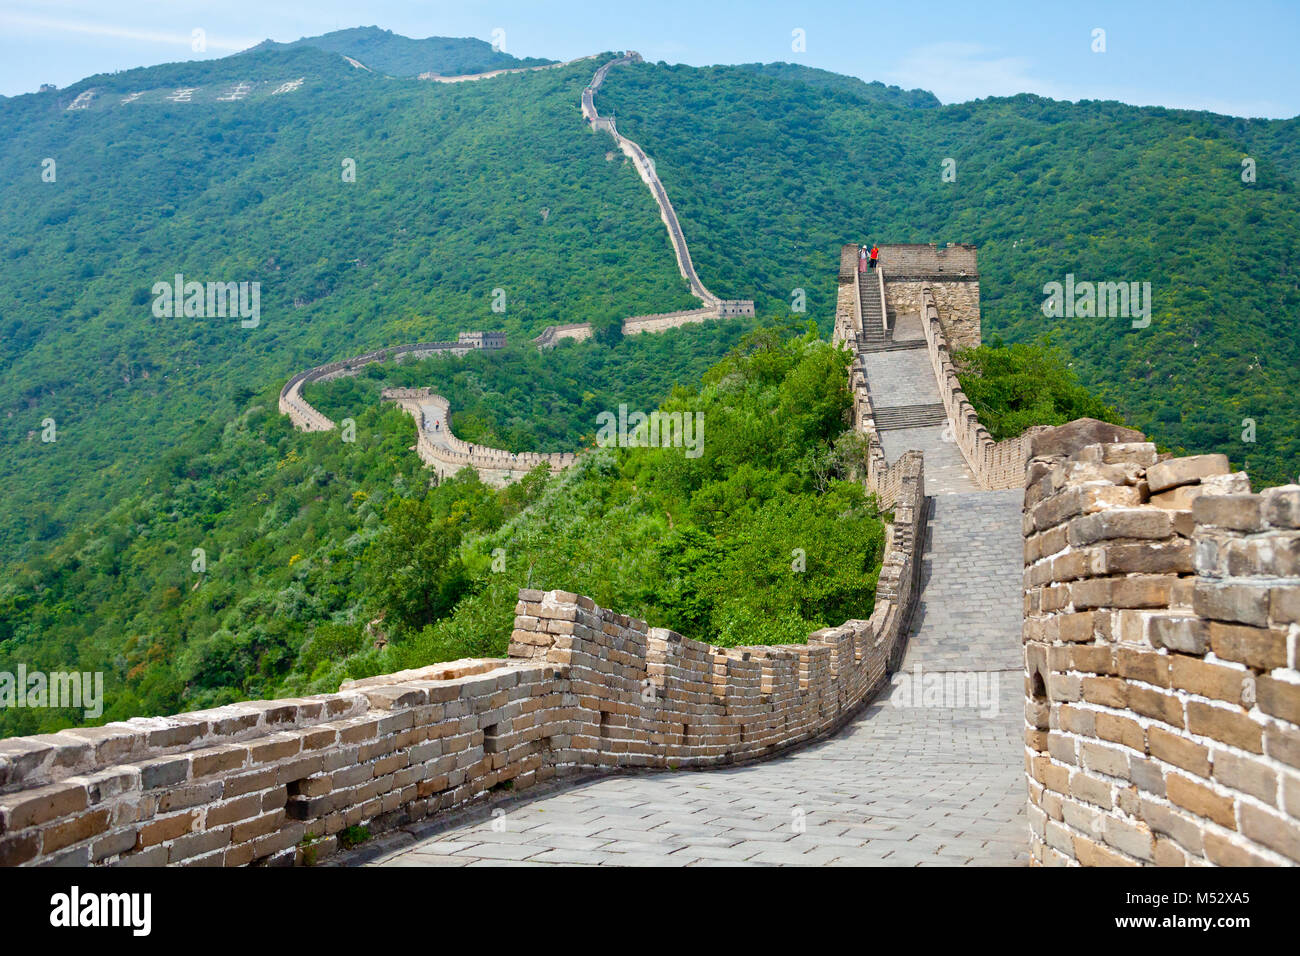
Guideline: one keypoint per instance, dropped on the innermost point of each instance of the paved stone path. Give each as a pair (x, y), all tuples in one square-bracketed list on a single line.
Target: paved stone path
[(924, 777), (971, 599), (929, 774), (905, 377)]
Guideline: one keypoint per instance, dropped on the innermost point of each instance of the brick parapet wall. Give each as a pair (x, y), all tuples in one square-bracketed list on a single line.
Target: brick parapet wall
[(306, 418), (449, 454), (882, 479), (925, 259), (655, 322), (996, 465), (268, 782), (1162, 602), (578, 331)]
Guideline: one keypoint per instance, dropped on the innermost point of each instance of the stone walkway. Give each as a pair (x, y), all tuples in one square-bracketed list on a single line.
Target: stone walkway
[(905, 377), (929, 776)]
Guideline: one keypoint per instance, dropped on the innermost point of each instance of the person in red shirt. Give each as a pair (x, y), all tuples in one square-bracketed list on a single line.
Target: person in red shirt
[(875, 254)]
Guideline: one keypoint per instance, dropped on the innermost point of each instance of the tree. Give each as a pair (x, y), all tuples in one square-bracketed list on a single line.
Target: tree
[(413, 572)]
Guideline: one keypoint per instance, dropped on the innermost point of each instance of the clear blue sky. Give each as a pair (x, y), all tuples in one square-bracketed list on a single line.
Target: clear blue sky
[(1227, 57)]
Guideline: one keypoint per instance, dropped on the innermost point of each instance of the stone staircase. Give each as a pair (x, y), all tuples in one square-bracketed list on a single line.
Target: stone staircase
[(873, 337), (910, 416)]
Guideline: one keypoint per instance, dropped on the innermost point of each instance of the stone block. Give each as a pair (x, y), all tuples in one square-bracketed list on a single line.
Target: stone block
[(1201, 800), (1185, 471), (1282, 506)]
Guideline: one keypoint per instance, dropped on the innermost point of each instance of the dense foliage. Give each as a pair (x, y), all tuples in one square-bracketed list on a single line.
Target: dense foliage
[(253, 558), (523, 399), (1100, 190), (1014, 387), (180, 537), (461, 189), (396, 55)]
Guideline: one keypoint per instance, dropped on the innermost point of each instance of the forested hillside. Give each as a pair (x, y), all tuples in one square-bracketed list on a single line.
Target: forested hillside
[(1100, 190), (396, 55), (464, 189), (460, 190), (252, 558), (166, 437)]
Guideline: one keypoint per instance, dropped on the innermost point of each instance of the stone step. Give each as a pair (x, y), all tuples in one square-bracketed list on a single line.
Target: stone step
[(882, 344), (910, 416)]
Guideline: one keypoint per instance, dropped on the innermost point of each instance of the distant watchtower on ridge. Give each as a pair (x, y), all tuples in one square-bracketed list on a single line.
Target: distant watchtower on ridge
[(950, 272)]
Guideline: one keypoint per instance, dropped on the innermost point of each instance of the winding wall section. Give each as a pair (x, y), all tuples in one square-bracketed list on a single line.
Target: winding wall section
[(713, 307), (584, 689), (435, 442)]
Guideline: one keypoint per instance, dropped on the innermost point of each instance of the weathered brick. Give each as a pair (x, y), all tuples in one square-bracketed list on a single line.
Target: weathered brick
[(231, 811), (1121, 730), (258, 826), (19, 848), (1235, 512), (1259, 647), (1183, 828), (1236, 601), (1155, 704), (28, 808), (1185, 471), (1225, 851), (1147, 775), (1134, 839), (1246, 775), (1282, 506), (274, 747), (1171, 557), (1282, 743), (164, 772), (1090, 853), (214, 760), (1145, 666), (1090, 788), (1208, 680), (1145, 523), (1200, 800), (1272, 830), (1226, 725), (1284, 604), (1136, 591), (1168, 853), (1105, 760), (166, 828), (1105, 691), (1075, 627), (1179, 751), (1091, 658), (1188, 635), (1278, 698)]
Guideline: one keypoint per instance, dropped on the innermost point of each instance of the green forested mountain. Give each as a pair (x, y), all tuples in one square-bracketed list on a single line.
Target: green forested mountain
[(251, 558), (167, 438), (396, 55), (460, 190), (1100, 190)]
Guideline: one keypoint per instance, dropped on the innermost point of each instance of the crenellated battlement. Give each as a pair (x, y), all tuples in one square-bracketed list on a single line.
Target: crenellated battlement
[(1162, 613)]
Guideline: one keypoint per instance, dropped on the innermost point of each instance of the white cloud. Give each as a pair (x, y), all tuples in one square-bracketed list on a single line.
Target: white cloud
[(956, 72), (87, 28)]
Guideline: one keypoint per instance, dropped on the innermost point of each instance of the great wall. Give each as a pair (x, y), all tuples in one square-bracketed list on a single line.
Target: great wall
[(1137, 617), (436, 445)]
